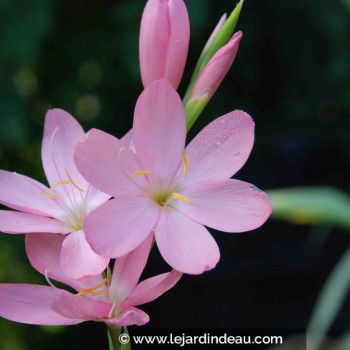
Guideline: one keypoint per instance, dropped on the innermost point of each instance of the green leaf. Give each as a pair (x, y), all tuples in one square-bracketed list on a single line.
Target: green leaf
[(332, 297), (311, 205)]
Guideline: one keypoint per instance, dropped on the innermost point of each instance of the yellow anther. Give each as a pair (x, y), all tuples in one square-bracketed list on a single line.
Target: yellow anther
[(72, 182), (100, 292), (51, 195), (184, 161), (92, 290), (141, 172), (181, 198)]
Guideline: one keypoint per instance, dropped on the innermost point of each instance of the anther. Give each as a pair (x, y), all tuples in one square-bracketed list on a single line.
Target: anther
[(138, 173), (184, 161), (92, 290), (181, 198)]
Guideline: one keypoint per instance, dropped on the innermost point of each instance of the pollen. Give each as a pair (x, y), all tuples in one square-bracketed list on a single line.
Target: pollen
[(181, 198), (72, 181), (138, 173), (93, 291), (184, 161)]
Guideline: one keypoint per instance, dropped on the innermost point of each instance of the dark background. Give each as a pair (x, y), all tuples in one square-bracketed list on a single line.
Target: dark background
[(291, 74)]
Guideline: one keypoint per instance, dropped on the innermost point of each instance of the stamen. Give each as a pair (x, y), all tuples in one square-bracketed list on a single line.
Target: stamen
[(184, 161), (92, 290), (51, 195), (181, 198), (72, 182), (100, 292), (137, 173)]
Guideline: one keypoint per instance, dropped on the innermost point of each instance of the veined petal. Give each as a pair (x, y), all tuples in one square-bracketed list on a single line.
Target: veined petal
[(220, 149), (186, 245), (44, 251), (22, 193), (61, 135), (151, 289), (120, 225), (130, 316), (159, 131), (17, 222), (78, 259), (127, 270), (98, 160), (31, 304), (230, 206), (71, 306)]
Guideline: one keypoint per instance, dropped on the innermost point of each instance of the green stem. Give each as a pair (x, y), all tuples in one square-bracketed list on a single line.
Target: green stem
[(113, 337)]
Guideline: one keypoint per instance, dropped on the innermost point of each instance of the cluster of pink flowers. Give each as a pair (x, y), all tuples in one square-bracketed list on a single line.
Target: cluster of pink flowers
[(111, 199)]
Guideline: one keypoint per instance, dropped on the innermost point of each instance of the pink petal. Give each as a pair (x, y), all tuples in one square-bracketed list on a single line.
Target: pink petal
[(17, 222), (22, 193), (44, 251), (98, 158), (230, 206), (159, 131), (186, 245), (127, 270), (220, 149), (154, 41), (61, 135), (71, 306), (128, 140), (178, 42), (120, 225), (78, 259), (129, 317), (151, 289), (28, 303), (216, 69)]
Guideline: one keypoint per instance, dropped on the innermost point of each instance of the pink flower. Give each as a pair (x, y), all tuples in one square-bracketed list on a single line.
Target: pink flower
[(62, 208), (97, 299), (164, 40), (215, 71), (168, 189)]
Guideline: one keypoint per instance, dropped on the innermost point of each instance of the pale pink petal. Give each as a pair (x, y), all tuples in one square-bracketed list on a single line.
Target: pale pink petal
[(31, 304), (151, 289), (127, 270), (159, 131), (120, 225), (216, 69), (230, 206), (78, 259), (71, 306), (129, 317), (17, 222), (98, 160), (179, 39), (186, 245), (61, 134), (220, 149), (128, 140), (25, 194), (154, 40), (44, 252)]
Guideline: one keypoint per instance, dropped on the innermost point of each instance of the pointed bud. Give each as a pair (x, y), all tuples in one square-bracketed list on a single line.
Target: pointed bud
[(164, 40), (216, 69)]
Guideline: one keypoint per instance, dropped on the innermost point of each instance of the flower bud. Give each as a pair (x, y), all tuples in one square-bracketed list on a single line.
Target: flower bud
[(164, 40)]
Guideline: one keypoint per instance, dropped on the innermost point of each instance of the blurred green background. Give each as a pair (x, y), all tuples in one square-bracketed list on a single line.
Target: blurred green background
[(292, 74)]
